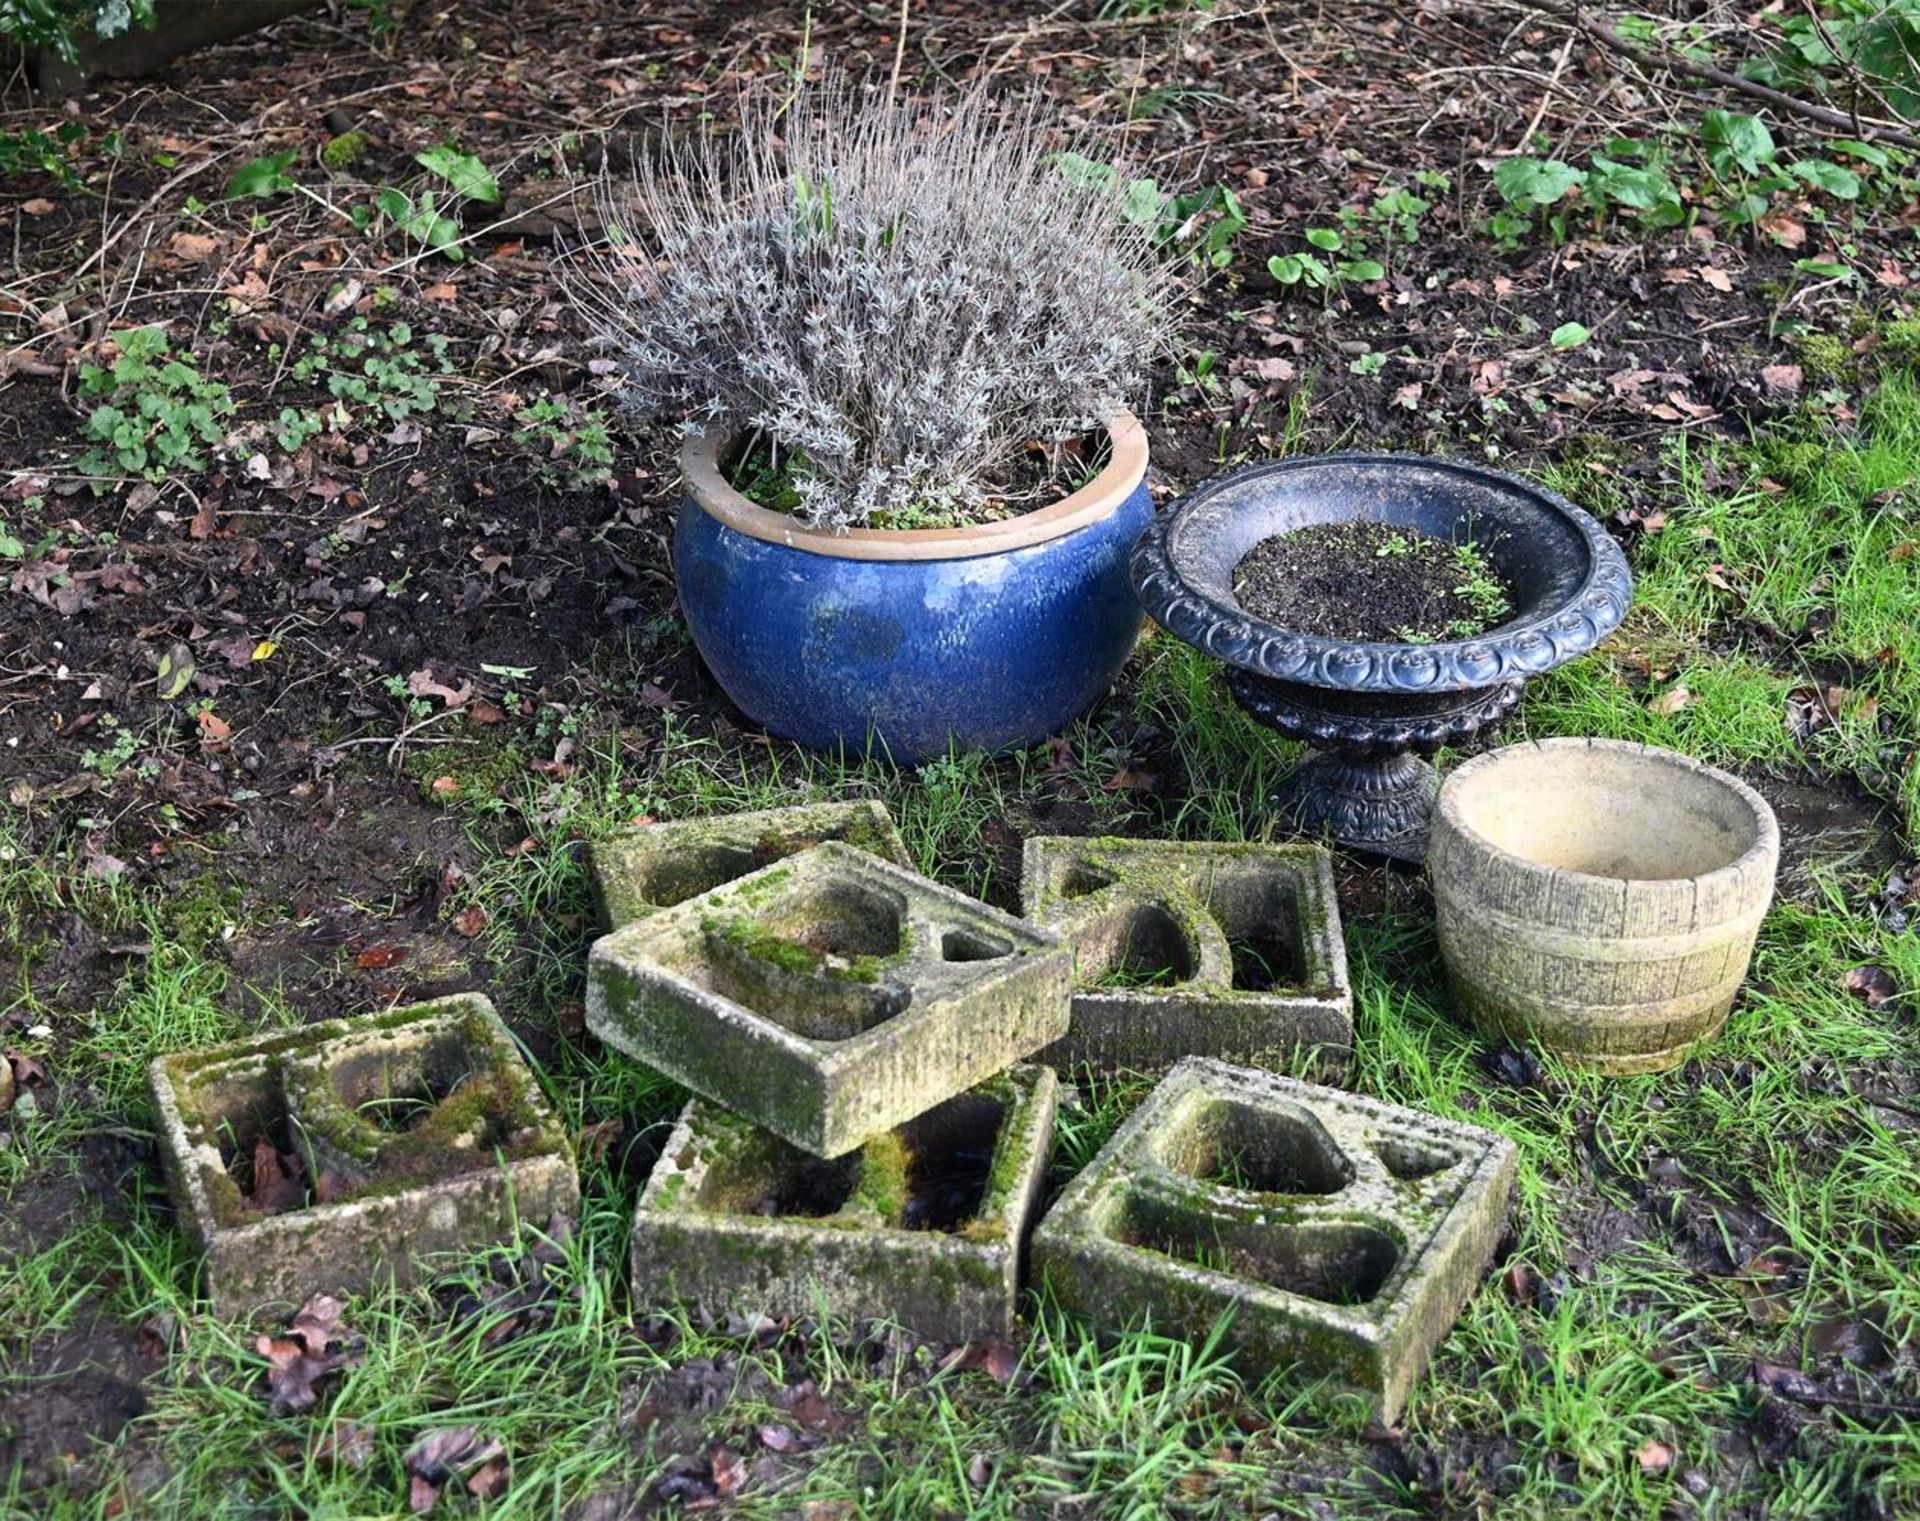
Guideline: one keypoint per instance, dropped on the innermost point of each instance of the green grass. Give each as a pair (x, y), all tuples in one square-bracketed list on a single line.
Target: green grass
[(1635, 1203), (1785, 563)]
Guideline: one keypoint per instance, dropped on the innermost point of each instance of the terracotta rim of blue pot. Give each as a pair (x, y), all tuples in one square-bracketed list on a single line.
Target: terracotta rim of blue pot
[(706, 483)]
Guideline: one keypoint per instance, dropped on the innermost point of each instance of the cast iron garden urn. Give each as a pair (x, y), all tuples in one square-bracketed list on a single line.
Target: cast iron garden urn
[(1373, 711)]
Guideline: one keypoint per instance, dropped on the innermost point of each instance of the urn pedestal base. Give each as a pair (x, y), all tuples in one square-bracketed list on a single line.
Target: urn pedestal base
[(1367, 786), (1380, 805)]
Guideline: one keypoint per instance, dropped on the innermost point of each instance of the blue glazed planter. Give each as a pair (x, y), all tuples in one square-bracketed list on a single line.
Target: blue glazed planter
[(985, 638)]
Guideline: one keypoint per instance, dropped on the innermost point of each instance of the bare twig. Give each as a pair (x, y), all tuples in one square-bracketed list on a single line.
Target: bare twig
[(106, 244), (899, 52)]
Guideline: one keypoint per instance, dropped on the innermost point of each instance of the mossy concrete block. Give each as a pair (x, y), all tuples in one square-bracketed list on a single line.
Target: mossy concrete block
[(923, 1225), (1345, 1233), (421, 1130), (641, 871), (1225, 950), (829, 997)]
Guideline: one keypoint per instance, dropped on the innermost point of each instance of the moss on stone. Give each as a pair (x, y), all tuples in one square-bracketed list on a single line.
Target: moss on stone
[(344, 151), (885, 1162), (793, 956), (224, 1198), (1823, 357)]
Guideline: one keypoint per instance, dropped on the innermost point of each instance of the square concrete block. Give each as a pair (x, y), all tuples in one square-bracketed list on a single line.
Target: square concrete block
[(1223, 950), (923, 1225), (1345, 1233), (829, 997), (421, 1130), (641, 871)]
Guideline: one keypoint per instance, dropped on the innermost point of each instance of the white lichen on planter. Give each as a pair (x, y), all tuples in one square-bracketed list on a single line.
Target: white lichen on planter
[(829, 997), (1344, 1233), (923, 1226), (1195, 949), (425, 1123)]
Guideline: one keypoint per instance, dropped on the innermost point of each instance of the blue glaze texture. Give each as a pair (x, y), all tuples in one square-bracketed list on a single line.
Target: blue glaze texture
[(992, 652)]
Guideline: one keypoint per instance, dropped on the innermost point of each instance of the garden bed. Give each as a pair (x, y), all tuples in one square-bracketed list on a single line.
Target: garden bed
[(316, 735)]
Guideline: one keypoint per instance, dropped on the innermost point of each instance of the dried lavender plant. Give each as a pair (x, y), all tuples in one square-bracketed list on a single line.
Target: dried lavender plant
[(905, 294)]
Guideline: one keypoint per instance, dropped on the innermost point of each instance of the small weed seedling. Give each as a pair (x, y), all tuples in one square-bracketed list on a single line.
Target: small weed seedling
[(1203, 223), (370, 366), (570, 440), (155, 414)]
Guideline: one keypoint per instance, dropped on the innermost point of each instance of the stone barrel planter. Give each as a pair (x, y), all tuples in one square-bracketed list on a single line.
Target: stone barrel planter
[(1599, 899)]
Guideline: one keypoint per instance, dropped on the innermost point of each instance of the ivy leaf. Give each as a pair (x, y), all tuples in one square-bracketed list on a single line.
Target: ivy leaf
[(1535, 181), (1362, 270), (1865, 152), (263, 176), (1079, 170), (1823, 174), (1569, 335), (463, 171), (1733, 140)]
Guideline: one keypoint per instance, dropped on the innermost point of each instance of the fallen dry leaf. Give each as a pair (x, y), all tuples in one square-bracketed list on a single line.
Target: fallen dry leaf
[(454, 1452), (1811, 709), (421, 683), (470, 920), (1783, 229), (39, 206), (1127, 779), (991, 1353), (1654, 1456), (729, 1471), (1672, 700), (1784, 380), (1873, 985), (299, 1361), (277, 1181), (1719, 279), (195, 247), (345, 1444), (377, 958)]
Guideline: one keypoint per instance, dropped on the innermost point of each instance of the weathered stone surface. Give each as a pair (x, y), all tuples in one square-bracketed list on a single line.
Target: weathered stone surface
[(829, 997), (1346, 1233), (923, 1225), (1225, 950), (422, 1127), (641, 871), (1600, 899)]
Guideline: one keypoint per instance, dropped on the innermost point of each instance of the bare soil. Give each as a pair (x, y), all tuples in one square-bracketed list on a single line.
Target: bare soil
[(1366, 581)]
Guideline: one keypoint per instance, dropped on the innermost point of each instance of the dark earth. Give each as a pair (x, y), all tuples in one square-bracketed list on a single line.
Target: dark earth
[(429, 554), (1369, 581)]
